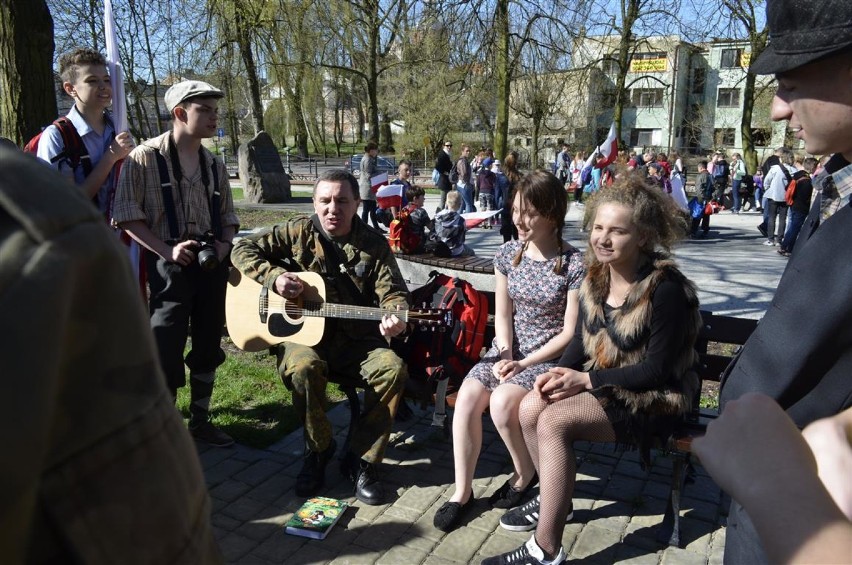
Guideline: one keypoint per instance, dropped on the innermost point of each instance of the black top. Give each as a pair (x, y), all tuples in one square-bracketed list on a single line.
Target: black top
[(667, 327), (804, 190)]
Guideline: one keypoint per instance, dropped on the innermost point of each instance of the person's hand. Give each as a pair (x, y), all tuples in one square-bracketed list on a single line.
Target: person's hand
[(182, 253), (505, 369), (121, 146), (288, 285), (560, 383), (391, 326), (754, 449), (830, 440)]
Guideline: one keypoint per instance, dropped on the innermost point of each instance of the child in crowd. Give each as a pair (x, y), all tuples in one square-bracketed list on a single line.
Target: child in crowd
[(450, 228), (758, 190), (85, 79), (704, 192)]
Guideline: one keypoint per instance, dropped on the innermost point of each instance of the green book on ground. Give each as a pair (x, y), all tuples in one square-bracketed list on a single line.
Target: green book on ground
[(316, 517)]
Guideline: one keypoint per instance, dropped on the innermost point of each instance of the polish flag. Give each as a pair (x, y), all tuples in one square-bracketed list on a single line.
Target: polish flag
[(609, 149), (377, 181), (389, 196)]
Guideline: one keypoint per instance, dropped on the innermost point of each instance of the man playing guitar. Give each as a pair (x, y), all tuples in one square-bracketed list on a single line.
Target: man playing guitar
[(359, 269)]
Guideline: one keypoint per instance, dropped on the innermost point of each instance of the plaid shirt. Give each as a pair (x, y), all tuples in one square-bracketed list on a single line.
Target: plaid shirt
[(139, 195), (836, 189)]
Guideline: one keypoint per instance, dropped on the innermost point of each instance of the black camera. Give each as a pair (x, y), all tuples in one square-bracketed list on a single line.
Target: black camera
[(206, 254)]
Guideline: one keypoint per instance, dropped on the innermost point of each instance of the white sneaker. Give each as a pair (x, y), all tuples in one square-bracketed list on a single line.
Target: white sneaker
[(769, 243)]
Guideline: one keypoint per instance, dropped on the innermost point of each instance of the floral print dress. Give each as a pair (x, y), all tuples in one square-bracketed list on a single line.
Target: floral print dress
[(539, 297)]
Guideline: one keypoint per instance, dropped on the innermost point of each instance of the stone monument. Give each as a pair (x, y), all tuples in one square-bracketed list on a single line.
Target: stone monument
[(261, 171)]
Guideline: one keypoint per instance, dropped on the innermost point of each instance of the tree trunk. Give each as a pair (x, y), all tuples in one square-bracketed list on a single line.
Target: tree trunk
[(503, 76), (27, 92), (244, 44), (630, 16), (536, 132), (758, 44)]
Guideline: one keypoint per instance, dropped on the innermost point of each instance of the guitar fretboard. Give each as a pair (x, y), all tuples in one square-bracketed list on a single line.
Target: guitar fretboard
[(325, 310)]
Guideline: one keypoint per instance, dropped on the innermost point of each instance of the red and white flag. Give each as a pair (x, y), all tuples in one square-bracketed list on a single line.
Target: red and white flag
[(389, 196), (609, 149), (378, 180)]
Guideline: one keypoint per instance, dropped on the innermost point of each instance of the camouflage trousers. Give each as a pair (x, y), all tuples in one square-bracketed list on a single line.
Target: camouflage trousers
[(370, 364)]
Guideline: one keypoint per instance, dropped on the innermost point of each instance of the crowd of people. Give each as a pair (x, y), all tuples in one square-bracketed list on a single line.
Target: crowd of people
[(596, 347)]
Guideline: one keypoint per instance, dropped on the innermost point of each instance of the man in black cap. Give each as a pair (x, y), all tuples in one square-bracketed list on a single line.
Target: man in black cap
[(801, 353)]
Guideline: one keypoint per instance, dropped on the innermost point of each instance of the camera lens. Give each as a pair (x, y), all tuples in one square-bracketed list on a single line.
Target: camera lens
[(207, 258)]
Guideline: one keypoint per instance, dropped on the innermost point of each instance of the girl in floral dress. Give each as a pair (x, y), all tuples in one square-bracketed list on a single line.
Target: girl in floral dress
[(537, 281)]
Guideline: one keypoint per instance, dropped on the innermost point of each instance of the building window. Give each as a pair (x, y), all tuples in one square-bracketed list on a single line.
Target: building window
[(643, 137), (609, 66), (728, 98), (730, 58), (761, 137), (724, 136), (608, 97), (648, 55), (647, 97)]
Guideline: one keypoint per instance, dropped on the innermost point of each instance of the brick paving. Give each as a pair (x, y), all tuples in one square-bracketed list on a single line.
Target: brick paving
[(618, 506)]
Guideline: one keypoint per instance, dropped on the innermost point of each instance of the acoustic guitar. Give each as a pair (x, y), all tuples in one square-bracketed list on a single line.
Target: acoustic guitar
[(258, 318)]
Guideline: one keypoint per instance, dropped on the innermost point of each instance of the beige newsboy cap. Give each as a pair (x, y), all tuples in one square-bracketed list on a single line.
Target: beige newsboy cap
[(179, 92)]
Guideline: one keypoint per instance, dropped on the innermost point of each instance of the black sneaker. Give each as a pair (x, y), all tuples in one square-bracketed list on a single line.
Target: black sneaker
[(762, 229), (211, 435), (528, 554), (312, 476), (525, 518)]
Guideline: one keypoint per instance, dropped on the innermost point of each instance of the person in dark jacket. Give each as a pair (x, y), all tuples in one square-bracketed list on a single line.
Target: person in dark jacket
[(801, 204), (444, 164), (800, 355)]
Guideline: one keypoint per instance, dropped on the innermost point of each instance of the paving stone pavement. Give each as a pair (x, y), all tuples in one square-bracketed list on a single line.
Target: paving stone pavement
[(617, 504)]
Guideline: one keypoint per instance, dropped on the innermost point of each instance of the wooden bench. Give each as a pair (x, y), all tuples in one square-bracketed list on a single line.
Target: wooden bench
[(727, 334), (478, 271)]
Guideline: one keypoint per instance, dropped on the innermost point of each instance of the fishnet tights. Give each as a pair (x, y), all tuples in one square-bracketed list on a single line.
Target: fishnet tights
[(552, 429)]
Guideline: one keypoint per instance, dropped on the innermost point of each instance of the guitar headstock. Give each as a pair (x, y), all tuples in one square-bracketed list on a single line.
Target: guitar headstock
[(431, 318)]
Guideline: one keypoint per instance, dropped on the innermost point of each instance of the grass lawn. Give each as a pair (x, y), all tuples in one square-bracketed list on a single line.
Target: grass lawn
[(249, 400)]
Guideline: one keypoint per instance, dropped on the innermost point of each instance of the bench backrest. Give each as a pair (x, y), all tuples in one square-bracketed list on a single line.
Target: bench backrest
[(729, 333), (719, 340)]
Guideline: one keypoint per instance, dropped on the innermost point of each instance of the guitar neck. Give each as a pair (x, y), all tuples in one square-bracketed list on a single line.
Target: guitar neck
[(345, 311)]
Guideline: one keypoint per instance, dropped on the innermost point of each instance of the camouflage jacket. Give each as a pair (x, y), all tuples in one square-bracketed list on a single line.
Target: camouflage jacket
[(296, 246)]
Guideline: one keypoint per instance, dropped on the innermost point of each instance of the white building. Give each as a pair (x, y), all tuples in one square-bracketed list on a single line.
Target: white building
[(680, 96)]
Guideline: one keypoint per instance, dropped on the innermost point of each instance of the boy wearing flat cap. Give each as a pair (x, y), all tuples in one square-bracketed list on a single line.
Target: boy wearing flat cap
[(801, 353), (174, 198)]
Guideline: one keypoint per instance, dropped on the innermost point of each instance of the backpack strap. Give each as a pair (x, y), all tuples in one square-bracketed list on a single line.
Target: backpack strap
[(335, 270), (73, 147)]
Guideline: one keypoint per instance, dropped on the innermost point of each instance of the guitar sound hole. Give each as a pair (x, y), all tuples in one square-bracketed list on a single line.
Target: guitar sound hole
[(281, 327)]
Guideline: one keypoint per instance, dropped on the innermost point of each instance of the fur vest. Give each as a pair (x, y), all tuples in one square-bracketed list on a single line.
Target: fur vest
[(623, 340)]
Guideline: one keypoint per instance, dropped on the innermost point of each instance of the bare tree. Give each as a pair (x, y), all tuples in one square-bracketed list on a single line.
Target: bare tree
[(367, 30), (27, 94)]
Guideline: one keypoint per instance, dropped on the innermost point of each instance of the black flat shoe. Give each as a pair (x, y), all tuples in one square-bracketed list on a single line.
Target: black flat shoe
[(449, 515), (508, 496)]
